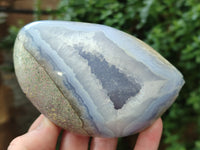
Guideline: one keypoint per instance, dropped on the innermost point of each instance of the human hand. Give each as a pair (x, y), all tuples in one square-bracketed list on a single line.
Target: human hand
[(43, 135)]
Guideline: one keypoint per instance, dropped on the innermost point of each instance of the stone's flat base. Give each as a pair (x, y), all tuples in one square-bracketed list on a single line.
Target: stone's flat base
[(108, 83)]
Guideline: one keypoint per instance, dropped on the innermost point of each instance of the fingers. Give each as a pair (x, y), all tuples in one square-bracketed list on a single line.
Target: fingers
[(150, 138), (104, 143), (42, 135), (72, 141), (77, 142)]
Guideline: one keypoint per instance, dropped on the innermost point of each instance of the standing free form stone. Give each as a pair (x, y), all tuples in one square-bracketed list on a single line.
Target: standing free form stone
[(93, 79)]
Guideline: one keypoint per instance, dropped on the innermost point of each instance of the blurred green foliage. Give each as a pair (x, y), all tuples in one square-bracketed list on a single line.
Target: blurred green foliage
[(173, 29), (7, 42)]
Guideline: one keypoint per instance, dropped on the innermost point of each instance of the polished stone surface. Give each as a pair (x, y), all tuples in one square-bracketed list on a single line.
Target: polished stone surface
[(93, 79)]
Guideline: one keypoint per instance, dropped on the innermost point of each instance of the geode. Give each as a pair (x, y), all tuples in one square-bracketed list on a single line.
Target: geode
[(93, 79)]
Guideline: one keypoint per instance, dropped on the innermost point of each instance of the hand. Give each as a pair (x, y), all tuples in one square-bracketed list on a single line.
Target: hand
[(43, 135)]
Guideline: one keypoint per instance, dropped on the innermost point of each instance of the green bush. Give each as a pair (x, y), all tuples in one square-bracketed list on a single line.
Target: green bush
[(8, 41)]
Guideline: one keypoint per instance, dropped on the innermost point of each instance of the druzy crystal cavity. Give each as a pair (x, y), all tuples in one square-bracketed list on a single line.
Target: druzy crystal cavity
[(93, 79)]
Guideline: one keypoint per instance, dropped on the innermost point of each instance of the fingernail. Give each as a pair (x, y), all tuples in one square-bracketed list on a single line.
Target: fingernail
[(44, 123)]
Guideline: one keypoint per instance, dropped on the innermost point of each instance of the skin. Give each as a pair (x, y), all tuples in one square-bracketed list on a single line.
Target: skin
[(43, 134)]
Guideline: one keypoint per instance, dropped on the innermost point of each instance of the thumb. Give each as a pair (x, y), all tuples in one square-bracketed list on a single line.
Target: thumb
[(42, 135)]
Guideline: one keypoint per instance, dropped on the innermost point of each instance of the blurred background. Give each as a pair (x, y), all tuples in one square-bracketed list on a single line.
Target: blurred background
[(170, 27)]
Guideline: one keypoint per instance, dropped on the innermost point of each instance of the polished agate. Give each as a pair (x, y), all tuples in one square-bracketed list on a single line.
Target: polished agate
[(93, 79)]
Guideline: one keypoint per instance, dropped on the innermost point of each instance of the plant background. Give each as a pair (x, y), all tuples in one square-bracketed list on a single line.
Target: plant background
[(170, 27)]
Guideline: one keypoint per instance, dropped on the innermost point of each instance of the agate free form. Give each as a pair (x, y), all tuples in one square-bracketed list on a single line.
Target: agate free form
[(93, 79)]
